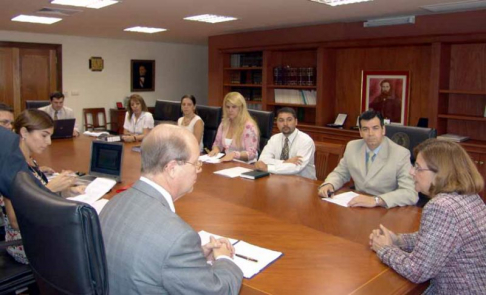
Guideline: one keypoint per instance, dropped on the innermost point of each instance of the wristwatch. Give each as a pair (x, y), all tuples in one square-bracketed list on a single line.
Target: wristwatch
[(377, 200)]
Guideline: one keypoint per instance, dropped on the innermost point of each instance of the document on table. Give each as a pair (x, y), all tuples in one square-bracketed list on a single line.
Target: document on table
[(233, 172), (94, 191), (250, 259), (342, 199), (95, 134), (213, 160)]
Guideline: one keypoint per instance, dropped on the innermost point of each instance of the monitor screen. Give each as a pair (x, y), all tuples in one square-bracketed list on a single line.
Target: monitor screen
[(106, 158)]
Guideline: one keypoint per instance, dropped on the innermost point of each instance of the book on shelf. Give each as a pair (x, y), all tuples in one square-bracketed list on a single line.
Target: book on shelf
[(251, 259), (453, 137), (294, 96), (255, 174)]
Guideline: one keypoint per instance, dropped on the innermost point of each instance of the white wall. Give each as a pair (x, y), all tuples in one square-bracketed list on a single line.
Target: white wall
[(180, 69)]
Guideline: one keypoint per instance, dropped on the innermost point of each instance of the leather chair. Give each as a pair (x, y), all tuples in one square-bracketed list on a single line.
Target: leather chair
[(265, 124), (14, 276), (166, 110), (211, 117), (62, 240), (408, 136), (327, 157), (95, 119), (35, 104)]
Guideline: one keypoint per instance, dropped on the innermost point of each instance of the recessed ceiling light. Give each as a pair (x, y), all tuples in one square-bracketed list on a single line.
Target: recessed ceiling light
[(456, 6), (85, 3), (145, 30), (210, 18), (36, 19), (338, 2)]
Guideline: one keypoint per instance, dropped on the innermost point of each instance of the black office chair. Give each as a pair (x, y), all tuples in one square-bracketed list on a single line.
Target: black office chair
[(408, 136), (62, 240), (211, 117), (166, 110), (265, 124), (14, 276), (35, 104)]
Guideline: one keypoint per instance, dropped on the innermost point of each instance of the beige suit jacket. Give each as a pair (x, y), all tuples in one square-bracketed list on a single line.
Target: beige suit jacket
[(388, 177)]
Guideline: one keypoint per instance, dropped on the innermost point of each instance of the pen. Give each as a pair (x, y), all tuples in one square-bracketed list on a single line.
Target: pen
[(207, 150), (329, 195), (246, 257)]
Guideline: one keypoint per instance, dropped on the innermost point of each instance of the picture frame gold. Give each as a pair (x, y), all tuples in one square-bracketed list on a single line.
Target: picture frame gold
[(96, 64)]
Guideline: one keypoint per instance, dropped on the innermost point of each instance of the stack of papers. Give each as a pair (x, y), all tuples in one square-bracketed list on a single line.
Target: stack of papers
[(214, 159), (94, 191), (342, 199), (453, 137), (233, 172), (250, 259)]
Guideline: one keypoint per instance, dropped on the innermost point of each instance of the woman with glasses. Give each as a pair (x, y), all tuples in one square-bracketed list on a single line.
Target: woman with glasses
[(238, 134), (450, 247)]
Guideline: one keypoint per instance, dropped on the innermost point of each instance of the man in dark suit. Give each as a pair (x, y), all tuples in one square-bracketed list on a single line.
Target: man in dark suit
[(149, 248), (142, 78), (388, 103)]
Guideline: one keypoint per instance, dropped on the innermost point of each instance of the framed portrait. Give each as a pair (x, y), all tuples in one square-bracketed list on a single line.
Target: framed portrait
[(142, 75), (387, 92)]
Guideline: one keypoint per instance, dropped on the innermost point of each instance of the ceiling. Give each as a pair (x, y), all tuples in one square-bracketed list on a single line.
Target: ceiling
[(252, 15)]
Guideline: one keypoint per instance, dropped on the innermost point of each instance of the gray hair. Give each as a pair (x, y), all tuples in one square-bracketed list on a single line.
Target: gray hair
[(163, 144)]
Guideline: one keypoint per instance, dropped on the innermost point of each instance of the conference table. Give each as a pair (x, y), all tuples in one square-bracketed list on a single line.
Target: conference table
[(325, 246)]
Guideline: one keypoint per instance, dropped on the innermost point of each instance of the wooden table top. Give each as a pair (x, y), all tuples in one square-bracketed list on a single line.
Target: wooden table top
[(325, 246)]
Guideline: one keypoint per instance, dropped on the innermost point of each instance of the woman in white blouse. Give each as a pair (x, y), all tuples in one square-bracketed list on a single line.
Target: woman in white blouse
[(190, 120), (138, 121)]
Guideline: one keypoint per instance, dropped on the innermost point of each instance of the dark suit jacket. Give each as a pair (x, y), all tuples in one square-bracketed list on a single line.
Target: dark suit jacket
[(151, 250), (11, 160)]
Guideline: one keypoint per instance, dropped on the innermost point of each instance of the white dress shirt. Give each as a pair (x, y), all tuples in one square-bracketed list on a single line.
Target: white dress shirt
[(134, 126), (300, 144), (64, 113)]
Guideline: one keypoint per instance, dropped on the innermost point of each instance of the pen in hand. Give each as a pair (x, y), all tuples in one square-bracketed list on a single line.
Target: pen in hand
[(207, 151), (246, 257), (329, 195)]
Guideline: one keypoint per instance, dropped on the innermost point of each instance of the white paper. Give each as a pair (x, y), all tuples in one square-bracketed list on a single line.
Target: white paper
[(342, 199), (99, 205), (214, 159), (95, 134), (232, 172), (262, 255), (95, 190), (204, 235)]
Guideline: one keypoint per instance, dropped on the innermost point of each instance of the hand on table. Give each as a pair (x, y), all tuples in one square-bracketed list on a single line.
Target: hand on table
[(228, 157), (326, 190), (128, 138), (61, 182), (362, 201), (261, 166), (218, 247), (382, 237), (213, 152)]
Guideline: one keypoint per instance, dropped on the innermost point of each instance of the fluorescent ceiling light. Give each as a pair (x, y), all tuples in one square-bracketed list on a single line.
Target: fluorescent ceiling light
[(36, 19), (401, 20), (85, 3), (338, 2), (145, 30), (210, 18), (456, 6)]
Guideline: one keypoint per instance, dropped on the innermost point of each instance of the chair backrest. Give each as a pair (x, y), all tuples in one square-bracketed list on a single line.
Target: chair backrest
[(166, 110), (35, 104), (62, 240), (14, 276), (211, 117), (95, 119), (327, 157), (408, 136), (265, 124)]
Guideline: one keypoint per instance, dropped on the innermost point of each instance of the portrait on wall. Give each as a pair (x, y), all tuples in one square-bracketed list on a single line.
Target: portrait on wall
[(143, 75), (387, 92)]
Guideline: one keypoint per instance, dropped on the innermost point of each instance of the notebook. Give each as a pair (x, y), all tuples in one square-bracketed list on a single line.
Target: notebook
[(255, 174), (63, 128), (106, 161)]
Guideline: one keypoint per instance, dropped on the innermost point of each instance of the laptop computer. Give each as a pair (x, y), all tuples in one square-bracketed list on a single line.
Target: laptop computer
[(106, 161), (63, 128)]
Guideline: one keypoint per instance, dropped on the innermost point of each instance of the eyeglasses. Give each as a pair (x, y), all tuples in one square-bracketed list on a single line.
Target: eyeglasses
[(5, 122), (197, 165), (417, 168)]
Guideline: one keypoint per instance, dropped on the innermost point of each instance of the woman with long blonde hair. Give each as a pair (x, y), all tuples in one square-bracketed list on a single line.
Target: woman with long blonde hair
[(238, 135)]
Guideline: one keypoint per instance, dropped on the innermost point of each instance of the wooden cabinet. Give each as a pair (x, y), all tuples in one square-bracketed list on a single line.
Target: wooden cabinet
[(117, 118), (477, 152)]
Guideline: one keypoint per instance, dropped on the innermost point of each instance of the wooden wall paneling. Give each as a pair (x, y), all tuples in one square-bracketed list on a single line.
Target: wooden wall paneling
[(52, 71), (468, 67), (267, 75), (326, 85), (18, 106), (35, 74), (6, 76), (439, 79)]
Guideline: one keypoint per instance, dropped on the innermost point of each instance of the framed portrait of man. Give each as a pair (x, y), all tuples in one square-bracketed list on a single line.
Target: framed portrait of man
[(142, 75), (387, 92)]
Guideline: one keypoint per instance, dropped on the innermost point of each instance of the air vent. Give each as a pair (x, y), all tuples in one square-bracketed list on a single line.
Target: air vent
[(58, 11)]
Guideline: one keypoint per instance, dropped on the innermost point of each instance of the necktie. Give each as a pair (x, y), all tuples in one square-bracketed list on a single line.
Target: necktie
[(371, 157), (55, 115), (285, 150)]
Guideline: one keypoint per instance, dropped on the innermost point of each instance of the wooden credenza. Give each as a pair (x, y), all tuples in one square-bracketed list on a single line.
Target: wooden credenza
[(117, 118)]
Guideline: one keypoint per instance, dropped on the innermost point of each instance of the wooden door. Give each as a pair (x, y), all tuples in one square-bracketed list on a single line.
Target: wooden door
[(28, 72)]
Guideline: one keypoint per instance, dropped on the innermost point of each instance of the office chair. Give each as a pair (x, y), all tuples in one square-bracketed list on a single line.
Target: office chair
[(166, 110), (211, 117), (408, 136), (264, 121), (62, 240), (95, 119), (327, 157), (35, 104), (14, 276)]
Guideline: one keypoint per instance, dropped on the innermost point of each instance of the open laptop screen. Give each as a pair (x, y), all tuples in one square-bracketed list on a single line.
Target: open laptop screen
[(106, 159)]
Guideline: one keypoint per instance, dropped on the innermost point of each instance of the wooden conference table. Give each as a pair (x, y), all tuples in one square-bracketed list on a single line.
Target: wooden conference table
[(325, 246)]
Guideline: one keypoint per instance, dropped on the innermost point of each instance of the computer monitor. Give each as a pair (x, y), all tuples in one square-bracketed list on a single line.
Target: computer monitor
[(106, 159)]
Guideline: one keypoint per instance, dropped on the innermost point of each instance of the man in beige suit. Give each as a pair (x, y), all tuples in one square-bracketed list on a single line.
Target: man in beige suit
[(378, 166)]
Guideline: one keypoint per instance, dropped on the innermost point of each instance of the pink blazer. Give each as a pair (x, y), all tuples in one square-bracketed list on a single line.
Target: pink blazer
[(249, 141)]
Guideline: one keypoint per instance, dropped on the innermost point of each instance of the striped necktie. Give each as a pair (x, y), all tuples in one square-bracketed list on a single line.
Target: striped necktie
[(55, 115), (369, 160), (285, 150)]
